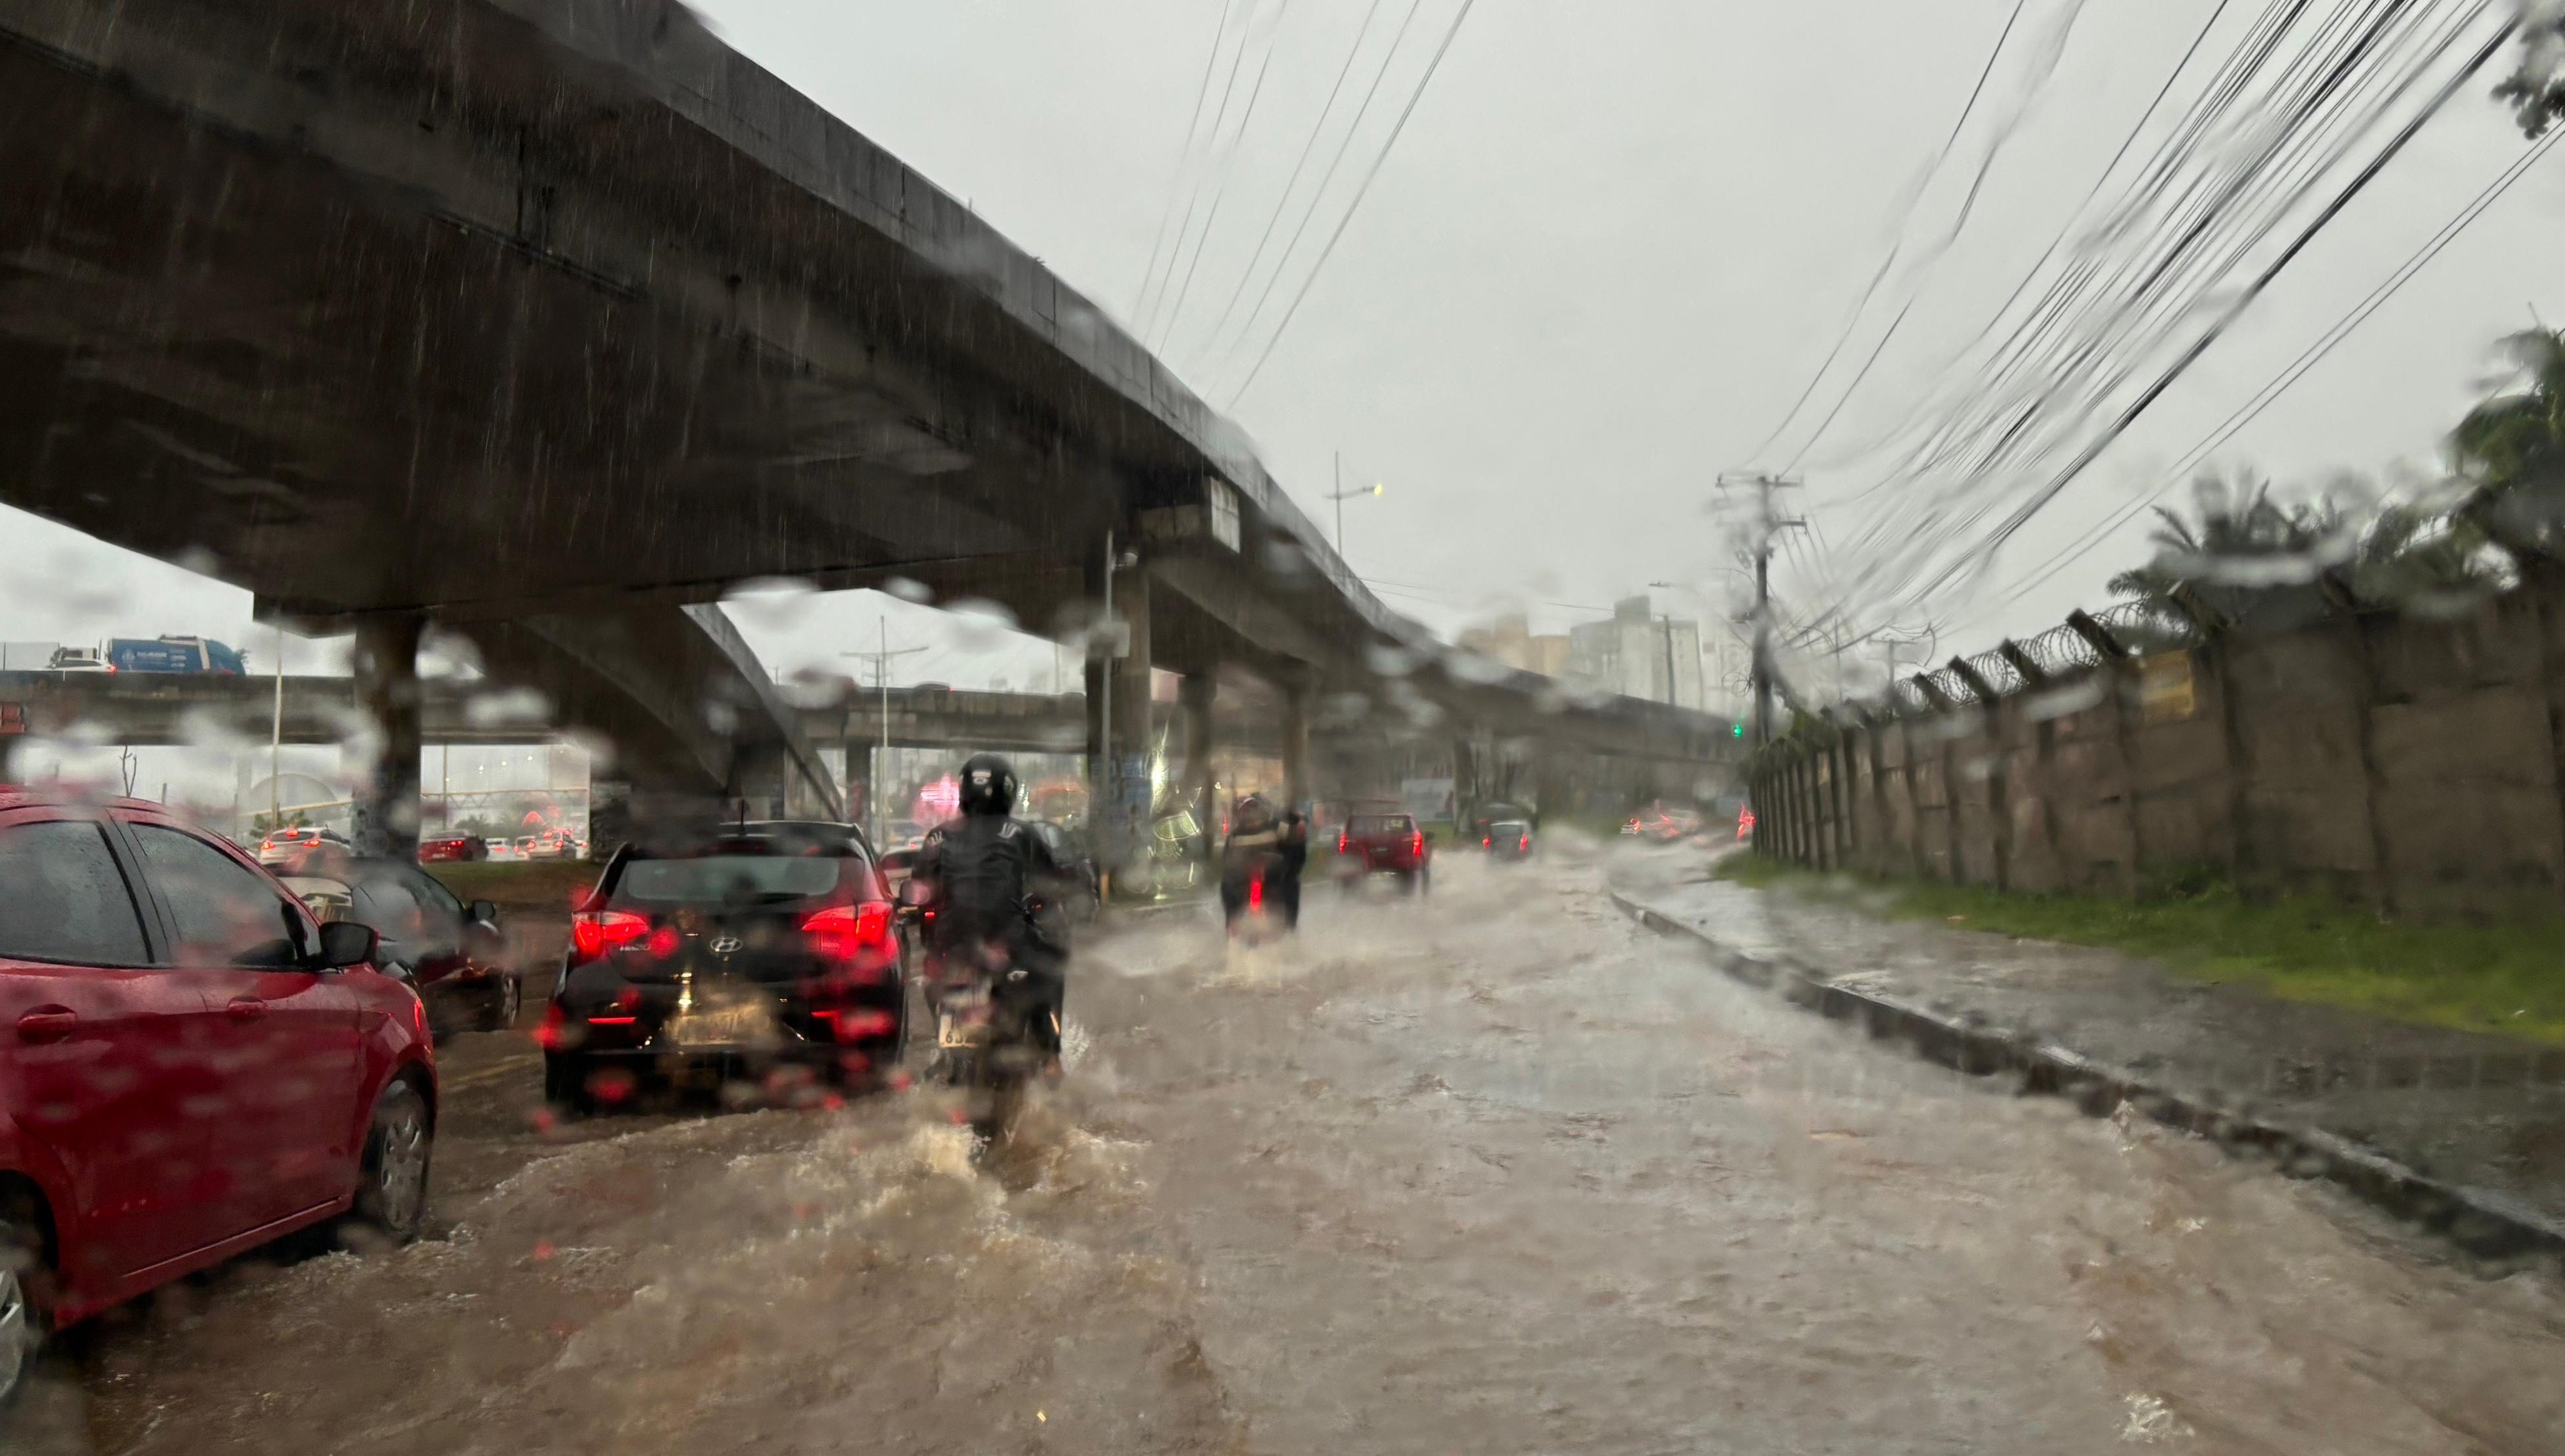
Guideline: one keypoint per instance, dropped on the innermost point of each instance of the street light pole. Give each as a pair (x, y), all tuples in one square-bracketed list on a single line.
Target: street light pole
[(1339, 495)]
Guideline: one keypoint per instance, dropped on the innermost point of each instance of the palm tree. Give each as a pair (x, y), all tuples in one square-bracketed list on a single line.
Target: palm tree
[(2242, 540), (2511, 448)]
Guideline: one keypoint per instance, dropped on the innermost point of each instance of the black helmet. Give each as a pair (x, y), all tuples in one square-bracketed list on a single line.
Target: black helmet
[(988, 785)]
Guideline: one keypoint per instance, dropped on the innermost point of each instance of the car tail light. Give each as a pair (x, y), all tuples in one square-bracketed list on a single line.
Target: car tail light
[(1485, 841), (1343, 838), (1524, 842), (1416, 843), (595, 932), (842, 932), (1256, 893)]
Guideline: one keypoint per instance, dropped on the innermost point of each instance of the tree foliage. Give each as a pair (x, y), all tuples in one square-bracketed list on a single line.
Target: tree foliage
[(2535, 90), (2510, 449)]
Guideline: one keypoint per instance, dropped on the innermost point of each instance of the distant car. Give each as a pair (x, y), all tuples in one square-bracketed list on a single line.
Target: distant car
[(285, 846), (903, 833), (197, 1066), (1384, 843), (1508, 839), (450, 849), (767, 948), (454, 954), (525, 846), (1488, 815), (1664, 826), (499, 848), (79, 660)]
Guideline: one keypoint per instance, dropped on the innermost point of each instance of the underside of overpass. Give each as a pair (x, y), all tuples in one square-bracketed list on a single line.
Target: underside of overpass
[(548, 321)]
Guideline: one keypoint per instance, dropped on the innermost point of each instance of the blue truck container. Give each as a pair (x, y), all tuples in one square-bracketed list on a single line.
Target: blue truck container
[(173, 654)]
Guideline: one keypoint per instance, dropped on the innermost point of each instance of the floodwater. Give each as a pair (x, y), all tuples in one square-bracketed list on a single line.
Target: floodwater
[(1492, 1171)]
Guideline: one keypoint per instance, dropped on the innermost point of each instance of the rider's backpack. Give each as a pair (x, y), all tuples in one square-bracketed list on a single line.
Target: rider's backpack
[(984, 874)]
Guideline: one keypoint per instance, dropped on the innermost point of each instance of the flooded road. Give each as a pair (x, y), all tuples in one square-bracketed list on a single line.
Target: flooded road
[(1493, 1171)]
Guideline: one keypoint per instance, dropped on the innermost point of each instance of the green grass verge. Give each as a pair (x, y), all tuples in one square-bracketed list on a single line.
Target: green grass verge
[(2508, 980), (539, 885)]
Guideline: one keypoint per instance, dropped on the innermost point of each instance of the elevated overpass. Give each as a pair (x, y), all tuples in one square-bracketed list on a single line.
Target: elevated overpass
[(147, 709), (548, 321)]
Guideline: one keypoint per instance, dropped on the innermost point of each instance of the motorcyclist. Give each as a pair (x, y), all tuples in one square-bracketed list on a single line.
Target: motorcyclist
[(993, 886), (1255, 842)]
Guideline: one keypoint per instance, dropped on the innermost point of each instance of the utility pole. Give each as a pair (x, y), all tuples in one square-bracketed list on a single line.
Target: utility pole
[(881, 680), (1766, 525), (276, 739)]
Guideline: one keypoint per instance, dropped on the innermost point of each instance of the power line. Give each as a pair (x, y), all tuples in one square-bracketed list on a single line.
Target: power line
[(2099, 179), (1357, 205), (1228, 87), (1220, 186), (1184, 156), (1283, 264), (1904, 221), (2297, 369), (2254, 289), (1282, 203), (2220, 216)]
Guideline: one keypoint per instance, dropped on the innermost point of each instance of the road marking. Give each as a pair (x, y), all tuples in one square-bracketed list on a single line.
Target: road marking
[(496, 1071)]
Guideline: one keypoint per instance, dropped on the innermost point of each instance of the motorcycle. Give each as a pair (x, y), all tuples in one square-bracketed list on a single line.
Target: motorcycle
[(1254, 917), (988, 1042)]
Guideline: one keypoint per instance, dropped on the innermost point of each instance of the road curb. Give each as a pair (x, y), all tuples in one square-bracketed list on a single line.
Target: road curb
[(2481, 1220)]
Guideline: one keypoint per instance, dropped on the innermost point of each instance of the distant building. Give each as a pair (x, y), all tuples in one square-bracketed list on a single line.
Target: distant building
[(1509, 640), (1639, 654)]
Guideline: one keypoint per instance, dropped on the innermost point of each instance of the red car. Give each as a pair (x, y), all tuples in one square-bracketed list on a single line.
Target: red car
[(194, 1066), (451, 848), (1384, 843)]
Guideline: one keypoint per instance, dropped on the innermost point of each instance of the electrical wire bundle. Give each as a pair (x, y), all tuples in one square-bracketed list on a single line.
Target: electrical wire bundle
[(1241, 336), (2307, 103)]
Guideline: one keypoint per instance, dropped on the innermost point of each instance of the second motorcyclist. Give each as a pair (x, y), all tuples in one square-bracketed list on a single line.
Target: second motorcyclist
[(1252, 856)]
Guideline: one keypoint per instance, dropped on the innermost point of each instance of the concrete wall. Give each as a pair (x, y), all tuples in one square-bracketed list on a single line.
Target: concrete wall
[(2397, 760)]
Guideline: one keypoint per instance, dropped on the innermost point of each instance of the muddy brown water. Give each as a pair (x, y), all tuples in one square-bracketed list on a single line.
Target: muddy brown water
[(1493, 1171)]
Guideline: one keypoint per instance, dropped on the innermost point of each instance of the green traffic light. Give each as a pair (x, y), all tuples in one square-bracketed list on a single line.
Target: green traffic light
[(1736, 730)]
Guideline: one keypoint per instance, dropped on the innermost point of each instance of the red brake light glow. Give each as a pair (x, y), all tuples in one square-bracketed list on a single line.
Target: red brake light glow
[(595, 932), (842, 932)]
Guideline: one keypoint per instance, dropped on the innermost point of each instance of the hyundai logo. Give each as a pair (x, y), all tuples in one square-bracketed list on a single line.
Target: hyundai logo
[(725, 945)]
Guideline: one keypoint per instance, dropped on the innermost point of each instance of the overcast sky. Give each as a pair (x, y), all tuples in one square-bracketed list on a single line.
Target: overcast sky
[(1606, 253)]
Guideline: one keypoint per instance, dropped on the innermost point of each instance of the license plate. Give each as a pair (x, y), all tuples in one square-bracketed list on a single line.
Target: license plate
[(964, 1022), (725, 1027)]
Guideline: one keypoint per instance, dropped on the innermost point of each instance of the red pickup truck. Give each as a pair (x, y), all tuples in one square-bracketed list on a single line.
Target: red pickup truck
[(1384, 843)]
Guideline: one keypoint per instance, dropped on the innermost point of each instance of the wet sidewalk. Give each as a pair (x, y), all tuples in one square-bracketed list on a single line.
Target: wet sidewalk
[(2478, 1113)]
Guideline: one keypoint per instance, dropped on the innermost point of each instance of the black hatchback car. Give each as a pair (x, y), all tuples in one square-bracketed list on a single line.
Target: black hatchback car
[(763, 959)]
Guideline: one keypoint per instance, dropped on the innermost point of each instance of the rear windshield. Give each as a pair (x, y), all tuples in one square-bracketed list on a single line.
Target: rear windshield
[(753, 878), (1509, 827), (1363, 825)]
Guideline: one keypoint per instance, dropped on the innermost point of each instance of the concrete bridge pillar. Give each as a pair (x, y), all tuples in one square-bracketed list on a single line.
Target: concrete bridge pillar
[(1299, 702), (1119, 714), (386, 807), (1196, 697)]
